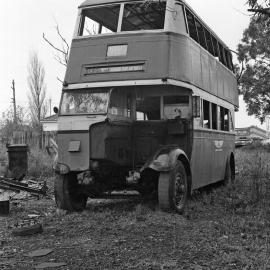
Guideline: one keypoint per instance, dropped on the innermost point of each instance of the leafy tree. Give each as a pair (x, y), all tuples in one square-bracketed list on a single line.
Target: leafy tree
[(37, 93), (254, 50), (260, 7)]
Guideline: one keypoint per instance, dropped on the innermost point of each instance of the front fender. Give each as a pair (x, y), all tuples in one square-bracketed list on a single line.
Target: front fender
[(164, 159)]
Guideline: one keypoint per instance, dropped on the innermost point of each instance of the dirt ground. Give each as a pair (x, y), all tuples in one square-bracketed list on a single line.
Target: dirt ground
[(218, 231)]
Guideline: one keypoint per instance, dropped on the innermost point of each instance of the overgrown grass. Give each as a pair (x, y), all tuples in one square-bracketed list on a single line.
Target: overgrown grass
[(39, 163), (243, 206)]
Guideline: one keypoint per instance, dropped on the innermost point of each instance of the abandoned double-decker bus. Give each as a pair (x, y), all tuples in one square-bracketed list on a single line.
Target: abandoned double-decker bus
[(148, 103)]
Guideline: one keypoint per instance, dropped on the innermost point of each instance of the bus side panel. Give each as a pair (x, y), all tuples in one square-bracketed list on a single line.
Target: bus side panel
[(180, 55), (205, 71), (191, 63), (209, 156), (201, 159)]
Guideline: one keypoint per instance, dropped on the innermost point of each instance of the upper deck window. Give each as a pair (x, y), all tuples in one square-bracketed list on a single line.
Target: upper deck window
[(143, 16), (135, 16), (99, 20)]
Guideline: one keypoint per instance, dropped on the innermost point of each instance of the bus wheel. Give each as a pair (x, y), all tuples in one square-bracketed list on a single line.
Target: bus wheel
[(229, 174), (173, 189), (67, 193)]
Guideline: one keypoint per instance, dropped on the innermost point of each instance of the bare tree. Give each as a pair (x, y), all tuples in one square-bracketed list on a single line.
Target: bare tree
[(61, 52), (37, 92)]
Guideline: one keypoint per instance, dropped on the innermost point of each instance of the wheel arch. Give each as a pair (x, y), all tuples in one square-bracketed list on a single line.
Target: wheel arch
[(164, 159)]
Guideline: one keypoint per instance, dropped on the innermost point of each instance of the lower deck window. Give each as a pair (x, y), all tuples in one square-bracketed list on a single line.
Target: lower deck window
[(224, 119), (214, 117), (120, 103), (176, 107), (148, 108), (206, 114)]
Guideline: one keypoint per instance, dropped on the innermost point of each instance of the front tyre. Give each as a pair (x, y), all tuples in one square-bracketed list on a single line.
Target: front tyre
[(173, 189), (67, 192)]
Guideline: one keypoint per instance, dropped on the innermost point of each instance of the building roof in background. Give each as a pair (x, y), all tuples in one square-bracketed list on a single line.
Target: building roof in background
[(245, 128), (52, 118)]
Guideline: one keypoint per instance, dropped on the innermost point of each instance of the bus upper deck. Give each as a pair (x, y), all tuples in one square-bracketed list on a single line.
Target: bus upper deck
[(148, 42)]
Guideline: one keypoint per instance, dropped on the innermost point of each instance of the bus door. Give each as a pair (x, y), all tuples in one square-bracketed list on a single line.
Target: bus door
[(149, 130)]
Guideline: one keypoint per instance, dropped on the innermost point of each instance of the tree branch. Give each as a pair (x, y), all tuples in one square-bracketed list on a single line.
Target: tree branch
[(59, 50), (265, 11)]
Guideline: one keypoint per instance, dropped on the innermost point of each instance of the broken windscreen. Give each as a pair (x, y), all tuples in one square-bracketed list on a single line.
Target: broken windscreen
[(147, 15), (85, 102)]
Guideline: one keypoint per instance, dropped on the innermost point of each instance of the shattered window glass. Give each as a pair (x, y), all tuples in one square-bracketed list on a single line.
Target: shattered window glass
[(84, 102), (143, 16)]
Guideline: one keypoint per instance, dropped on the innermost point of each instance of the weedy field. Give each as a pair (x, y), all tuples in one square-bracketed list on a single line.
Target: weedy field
[(224, 227)]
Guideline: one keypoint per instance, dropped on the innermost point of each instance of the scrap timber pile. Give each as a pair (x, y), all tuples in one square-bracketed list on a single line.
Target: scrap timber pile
[(9, 184)]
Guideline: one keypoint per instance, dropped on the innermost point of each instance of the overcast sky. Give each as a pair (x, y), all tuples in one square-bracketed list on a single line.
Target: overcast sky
[(23, 22)]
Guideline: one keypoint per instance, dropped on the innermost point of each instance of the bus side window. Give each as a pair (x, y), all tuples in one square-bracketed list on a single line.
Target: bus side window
[(210, 46), (200, 30), (222, 55), (214, 116), (229, 60), (224, 119), (206, 114), (191, 26)]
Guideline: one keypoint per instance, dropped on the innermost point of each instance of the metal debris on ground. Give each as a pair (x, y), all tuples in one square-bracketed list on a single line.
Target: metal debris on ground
[(33, 187), (25, 228), (50, 265), (39, 253)]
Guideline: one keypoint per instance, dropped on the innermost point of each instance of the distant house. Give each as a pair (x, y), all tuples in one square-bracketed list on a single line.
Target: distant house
[(251, 132), (49, 124)]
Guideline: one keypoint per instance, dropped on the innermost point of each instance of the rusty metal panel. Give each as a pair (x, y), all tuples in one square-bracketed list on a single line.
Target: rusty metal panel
[(112, 142), (76, 161)]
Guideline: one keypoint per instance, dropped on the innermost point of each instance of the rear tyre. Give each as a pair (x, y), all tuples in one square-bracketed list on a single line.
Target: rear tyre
[(68, 195), (173, 189), (229, 174)]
